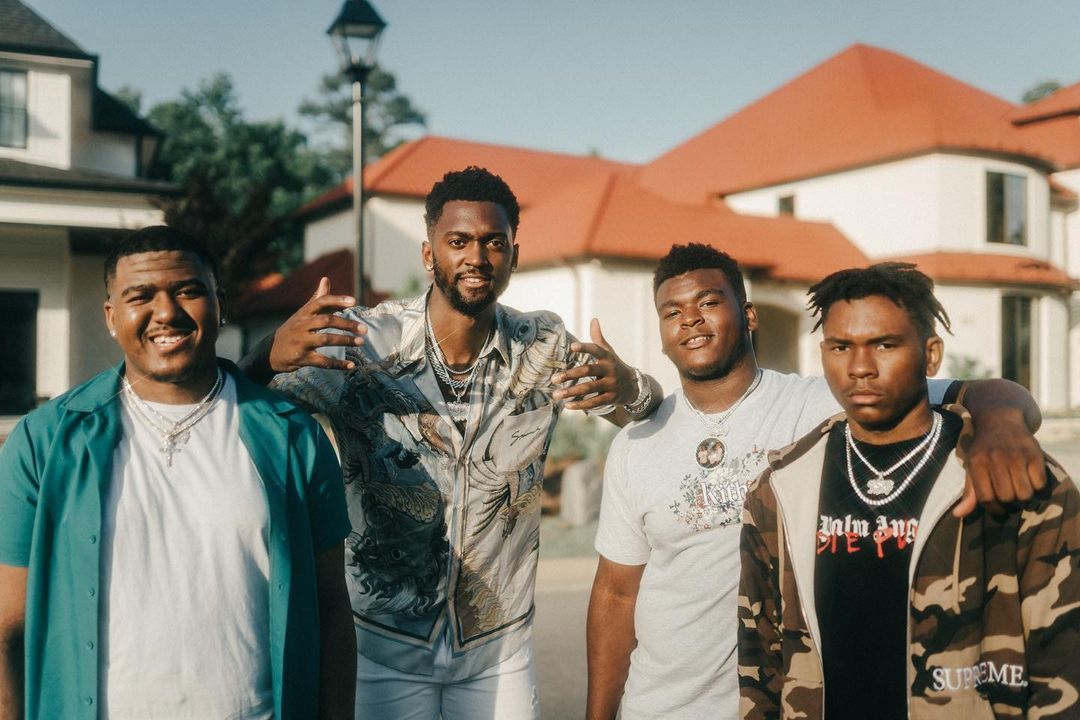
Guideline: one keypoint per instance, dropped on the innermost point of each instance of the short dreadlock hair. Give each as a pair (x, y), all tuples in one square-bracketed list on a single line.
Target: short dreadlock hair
[(697, 256), (473, 184), (900, 282)]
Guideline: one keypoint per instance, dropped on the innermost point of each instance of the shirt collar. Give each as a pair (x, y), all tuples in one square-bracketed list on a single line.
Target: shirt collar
[(414, 333)]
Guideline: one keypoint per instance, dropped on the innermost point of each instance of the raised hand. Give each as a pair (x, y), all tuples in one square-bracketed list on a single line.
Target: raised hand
[(297, 341), (611, 379)]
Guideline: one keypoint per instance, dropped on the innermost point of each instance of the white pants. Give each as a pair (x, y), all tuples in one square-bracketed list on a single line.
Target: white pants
[(506, 691)]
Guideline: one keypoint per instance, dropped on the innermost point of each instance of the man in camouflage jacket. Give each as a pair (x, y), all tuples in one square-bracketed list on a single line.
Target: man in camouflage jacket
[(993, 603)]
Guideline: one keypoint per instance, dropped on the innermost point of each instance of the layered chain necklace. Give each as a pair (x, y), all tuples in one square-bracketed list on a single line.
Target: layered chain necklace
[(710, 452), (178, 432), (459, 406), (881, 485)]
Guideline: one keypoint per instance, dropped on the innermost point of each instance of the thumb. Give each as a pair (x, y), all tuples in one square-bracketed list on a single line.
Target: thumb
[(966, 504), (323, 289), (597, 335)]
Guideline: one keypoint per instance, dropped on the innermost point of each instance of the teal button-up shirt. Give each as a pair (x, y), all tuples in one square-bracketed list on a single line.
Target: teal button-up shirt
[(54, 472)]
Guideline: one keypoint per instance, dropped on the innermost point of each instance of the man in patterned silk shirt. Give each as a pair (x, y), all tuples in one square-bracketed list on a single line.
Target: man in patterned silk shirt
[(443, 407)]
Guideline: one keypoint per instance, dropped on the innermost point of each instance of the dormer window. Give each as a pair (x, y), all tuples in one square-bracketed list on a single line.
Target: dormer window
[(1006, 208), (785, 205), (12, 109)]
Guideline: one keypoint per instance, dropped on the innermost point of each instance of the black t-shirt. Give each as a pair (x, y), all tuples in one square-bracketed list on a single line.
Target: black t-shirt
[(861, 573)]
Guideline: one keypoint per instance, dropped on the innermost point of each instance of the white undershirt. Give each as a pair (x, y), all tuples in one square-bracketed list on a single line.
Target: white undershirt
[(185, 574)]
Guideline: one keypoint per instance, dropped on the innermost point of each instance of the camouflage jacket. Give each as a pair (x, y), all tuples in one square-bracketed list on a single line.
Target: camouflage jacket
[(446, 524), (994, 620)]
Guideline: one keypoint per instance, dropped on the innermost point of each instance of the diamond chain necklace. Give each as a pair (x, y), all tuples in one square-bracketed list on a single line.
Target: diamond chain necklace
[(173, 433), (881, 484), (458, 407)]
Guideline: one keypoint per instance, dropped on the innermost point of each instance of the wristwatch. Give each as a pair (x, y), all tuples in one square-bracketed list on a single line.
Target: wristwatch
[(643, 397)]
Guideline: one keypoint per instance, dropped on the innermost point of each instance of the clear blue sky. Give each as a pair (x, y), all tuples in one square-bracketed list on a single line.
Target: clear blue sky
[(628, 78)]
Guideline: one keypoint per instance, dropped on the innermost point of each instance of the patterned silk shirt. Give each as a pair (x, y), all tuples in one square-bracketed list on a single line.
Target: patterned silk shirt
[(445, 524)]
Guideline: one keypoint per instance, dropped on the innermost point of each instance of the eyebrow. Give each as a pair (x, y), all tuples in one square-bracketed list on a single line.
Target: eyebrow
[(871, 341), (146, 287), (698, 296)]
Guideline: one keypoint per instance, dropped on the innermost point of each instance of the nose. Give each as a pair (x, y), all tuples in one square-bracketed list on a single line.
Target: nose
[(477, 255), (166, 309), (861, 363), (691, 317)]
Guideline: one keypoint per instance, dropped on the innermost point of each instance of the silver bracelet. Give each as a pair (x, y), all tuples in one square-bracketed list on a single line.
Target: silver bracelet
[(644, 395)]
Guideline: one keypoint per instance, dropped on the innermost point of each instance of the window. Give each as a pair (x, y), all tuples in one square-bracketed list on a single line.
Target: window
[(1006, 209), (12, 109), (785, 205), (18, 340), (1016, 339)]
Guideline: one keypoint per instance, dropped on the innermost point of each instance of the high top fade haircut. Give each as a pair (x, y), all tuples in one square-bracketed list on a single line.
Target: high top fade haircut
[(473, 184), (159, 238), (903, 283), (682, 259)]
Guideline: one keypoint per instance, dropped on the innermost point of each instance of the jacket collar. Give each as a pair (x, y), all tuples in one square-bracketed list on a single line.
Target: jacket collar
[(103, 389), (414, 333)]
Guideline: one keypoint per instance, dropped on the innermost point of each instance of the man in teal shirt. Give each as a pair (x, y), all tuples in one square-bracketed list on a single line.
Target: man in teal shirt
[(171, 534)]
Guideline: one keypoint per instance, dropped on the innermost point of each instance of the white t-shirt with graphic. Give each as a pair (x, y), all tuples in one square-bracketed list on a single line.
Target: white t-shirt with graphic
[(185, 569), (681, 519)]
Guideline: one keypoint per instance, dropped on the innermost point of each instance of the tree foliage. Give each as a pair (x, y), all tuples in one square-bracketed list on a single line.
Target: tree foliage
[(1040, 90), (241, 180), (387, 111)]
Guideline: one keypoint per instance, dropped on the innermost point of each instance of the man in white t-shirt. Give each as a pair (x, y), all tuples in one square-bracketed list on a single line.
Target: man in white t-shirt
[(172, 534), (662, 617)]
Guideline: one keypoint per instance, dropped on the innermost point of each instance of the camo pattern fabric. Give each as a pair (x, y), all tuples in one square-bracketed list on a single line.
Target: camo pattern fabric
[(994, 613), (445, 522)]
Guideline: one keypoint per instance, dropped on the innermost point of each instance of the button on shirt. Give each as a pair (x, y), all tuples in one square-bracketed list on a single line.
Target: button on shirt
[(445, 523)]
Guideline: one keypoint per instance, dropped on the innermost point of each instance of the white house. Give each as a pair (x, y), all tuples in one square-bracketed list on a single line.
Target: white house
[(73, 164), (868, 156)]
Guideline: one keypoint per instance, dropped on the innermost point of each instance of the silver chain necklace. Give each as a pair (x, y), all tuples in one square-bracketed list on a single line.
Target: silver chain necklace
[(178, 432), (881, 484), (459, 406), (710, 452)]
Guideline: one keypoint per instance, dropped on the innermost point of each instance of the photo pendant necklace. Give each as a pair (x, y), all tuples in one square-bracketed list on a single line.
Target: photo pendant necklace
[(711, 451), (459, 406), (173, 433), (881, 485)]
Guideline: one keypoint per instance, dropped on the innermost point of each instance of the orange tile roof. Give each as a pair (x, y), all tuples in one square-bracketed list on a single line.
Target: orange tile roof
[(1064, 101), (411, 169), (862, 106), (274, 295), (991, 268), (613, 216)]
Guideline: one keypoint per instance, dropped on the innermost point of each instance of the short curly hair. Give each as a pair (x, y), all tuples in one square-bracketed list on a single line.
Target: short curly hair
[(473, 184), (900, 282), (158, 238), (682, 259)]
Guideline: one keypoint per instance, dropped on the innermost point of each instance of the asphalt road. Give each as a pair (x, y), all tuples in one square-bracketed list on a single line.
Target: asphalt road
[(562, 598)]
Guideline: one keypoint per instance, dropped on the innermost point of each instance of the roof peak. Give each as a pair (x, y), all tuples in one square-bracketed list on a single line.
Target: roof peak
[(22, 29)]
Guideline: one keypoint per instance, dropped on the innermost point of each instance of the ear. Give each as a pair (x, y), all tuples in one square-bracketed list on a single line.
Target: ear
[(108, 308), (934, 352), (223, 306), (514, 259), (427, 256), (750, 313)]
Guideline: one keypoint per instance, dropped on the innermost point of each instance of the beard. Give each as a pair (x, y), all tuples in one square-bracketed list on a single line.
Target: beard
[(723, 367), (448, 286)]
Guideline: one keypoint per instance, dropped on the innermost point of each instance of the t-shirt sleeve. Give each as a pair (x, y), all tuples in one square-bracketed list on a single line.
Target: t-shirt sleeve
[(620, 535), (18, 497), (328, 514)]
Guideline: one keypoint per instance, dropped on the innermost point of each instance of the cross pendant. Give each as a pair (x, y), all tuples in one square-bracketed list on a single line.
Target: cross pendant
[(168, 448)]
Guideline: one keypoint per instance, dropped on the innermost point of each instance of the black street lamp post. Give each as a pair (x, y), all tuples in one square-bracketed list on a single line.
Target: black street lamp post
[(355, 34)]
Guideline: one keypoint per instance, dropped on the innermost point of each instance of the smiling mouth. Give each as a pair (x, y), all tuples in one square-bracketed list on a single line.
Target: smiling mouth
[(171, 340), (696, 341), (475, 281)]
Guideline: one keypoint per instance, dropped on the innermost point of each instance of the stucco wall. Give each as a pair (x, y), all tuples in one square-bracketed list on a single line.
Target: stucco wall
[(922, 204), (48, 106)]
